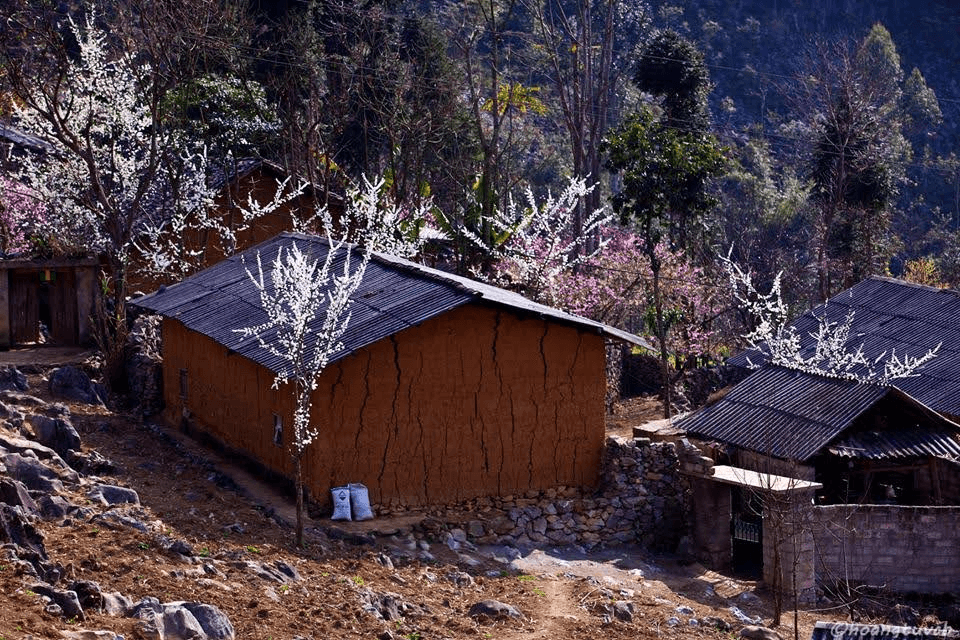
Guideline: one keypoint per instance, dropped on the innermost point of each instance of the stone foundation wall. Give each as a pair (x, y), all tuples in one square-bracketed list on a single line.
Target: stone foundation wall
[(907, 549), (642, 498)]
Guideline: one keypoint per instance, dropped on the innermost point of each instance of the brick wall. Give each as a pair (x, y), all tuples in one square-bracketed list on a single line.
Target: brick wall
[(907, 549)]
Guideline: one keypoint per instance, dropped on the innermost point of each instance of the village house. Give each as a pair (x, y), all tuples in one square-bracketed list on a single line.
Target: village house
[(881, 460), (445, 389)]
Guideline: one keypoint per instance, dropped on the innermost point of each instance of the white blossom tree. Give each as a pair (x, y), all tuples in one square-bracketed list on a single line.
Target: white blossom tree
[(307, 304), (119, 179), (533, 244), (376, 222), (833, 354)]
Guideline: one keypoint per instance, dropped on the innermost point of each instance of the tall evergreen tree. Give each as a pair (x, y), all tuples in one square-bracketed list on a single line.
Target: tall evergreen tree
[(665, 161)]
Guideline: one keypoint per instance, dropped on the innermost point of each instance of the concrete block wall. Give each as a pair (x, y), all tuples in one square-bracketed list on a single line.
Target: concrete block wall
[(907, 549)]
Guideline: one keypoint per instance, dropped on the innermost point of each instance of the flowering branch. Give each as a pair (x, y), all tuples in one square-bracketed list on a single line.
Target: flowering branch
[(832, 354), (537, 243)]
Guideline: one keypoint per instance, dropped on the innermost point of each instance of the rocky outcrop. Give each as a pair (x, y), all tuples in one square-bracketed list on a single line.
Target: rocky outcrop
[(74, 384)]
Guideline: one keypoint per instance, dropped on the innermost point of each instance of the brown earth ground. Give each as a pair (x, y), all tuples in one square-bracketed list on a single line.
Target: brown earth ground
[(562, 594)]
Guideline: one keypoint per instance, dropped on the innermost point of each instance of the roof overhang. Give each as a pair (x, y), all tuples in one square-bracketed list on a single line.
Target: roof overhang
[(768, 482)]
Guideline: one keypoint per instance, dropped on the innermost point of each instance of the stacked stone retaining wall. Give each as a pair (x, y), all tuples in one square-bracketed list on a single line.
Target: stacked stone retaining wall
[(642, 498)]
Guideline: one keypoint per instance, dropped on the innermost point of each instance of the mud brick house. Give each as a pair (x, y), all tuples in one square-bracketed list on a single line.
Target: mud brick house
[(254, 179), (445, 388), (883, 460)]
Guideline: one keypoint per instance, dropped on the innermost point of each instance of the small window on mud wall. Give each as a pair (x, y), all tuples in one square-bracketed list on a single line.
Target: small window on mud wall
[(183, 384), (277, 430)]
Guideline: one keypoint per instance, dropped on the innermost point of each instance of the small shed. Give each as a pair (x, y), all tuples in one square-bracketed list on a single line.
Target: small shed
[(863, 442), (46, 301), (445, 389)]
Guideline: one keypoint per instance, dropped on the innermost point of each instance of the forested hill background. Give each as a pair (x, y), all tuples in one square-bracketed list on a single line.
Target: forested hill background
[(815, 138), (754, 50), (756, 53)]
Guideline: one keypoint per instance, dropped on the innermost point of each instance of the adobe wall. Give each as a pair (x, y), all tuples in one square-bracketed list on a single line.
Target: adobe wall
[(261, 188), (476, 402), (907, 549)]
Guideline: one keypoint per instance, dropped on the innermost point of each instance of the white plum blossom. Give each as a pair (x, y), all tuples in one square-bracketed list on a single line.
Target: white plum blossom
[(537, 243), (118, 178), (300, 292), (832, 354)]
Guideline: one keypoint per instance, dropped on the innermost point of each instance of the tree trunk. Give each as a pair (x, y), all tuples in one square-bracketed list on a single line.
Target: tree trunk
[(299, 489), (661, 336)]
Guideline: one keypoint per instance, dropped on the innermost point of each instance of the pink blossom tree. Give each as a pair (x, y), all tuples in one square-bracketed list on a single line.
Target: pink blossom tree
[(22, 214)]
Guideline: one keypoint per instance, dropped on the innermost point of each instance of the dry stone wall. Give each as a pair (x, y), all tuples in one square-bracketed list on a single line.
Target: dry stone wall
[(641, 498)]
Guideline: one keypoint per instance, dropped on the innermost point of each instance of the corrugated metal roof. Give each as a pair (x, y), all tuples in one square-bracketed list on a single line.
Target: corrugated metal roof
[(395, 294), (784, 413), (794, 415), (889, 315), (918, 441)]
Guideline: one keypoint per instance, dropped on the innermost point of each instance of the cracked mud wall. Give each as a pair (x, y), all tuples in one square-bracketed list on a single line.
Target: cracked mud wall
[(475, 402)]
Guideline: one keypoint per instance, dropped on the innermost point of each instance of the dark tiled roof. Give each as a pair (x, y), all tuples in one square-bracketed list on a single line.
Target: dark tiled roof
[(892, 315), (794, 415), (395, 294)]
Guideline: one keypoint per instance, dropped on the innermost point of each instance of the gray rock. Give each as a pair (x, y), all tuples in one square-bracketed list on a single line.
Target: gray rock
[(11, 415), (460, 578), (109, 495), (116, 604), (214, 622), (17, 530), (21, 399), (74, 384), (280, 572), (56, 433), (14, 493), (476, 529), (177, 623), (90, 462), (66, 599), (756, 632), (493, 609), (384, 606), (42, 462), (145, 607), (84, 634), (179, 546), (623, 611), (88, 594), (289, 571), (113, 518), (12, 380), (717, 623), (54, 507)]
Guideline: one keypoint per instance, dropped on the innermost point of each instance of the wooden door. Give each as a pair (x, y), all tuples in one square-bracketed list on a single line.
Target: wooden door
[(24, 307), (63, 308)]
